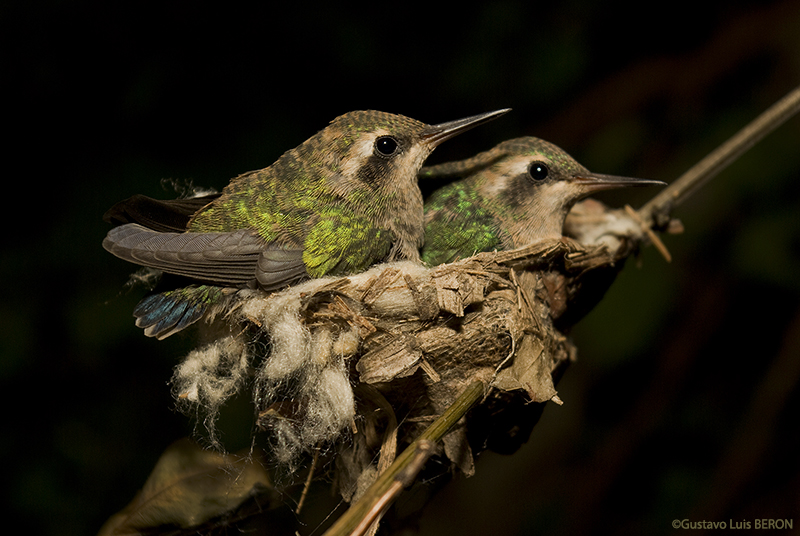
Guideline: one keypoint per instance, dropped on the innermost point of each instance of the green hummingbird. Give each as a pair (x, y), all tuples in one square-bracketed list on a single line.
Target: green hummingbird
[(512, 195), (341, 201)]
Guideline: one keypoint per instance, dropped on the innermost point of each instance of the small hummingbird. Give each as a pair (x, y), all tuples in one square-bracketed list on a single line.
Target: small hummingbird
[(342, 200), (512, 195)]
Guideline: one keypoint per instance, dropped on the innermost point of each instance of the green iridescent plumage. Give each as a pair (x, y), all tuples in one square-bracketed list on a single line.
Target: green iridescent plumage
[(513, 195), (449, 238), (339, 202), (317, 190), (167, 312)]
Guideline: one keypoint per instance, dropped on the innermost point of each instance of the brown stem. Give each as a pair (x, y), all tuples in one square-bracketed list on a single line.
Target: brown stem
[(658, 210), (401, 473)]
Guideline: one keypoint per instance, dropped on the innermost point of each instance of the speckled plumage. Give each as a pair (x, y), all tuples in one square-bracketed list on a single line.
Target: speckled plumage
[(339, 202), (343, 216)]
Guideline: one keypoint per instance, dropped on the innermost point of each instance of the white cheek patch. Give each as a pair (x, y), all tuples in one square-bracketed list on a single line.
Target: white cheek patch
[(502, 174), (517, 166), (362, 149), (494, 187), (548, 199), (514, 167)]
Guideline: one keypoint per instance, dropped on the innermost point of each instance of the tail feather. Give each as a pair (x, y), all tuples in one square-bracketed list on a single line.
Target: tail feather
[(167, 313)]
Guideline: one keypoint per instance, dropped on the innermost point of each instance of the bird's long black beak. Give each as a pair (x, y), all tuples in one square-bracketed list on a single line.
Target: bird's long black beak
[(597, 182), (436, 134)]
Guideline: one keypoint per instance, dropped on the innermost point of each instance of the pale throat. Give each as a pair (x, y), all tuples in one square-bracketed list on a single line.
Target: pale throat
[(541, 216)]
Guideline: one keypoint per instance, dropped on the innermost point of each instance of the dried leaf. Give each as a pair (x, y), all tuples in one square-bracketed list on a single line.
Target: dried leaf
[(458, 451), (188, 487), (379, 285), (531, 371), (456, 290), (424, 298), (397, 359)]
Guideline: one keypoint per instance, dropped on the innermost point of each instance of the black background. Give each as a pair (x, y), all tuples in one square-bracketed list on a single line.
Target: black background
[(684, 402)]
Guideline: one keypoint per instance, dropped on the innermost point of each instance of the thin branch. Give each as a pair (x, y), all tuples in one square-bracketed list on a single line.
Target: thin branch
[(357, 519), (658, 209), (651, 234), (307, 485)]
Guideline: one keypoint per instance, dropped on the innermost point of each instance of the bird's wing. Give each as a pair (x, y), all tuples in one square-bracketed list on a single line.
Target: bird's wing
[(165, 216), (234, 258), (279, 267), (222, 258)]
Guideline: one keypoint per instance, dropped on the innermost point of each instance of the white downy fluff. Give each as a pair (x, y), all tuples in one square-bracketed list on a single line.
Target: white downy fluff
[(309, 367), (210, 375)]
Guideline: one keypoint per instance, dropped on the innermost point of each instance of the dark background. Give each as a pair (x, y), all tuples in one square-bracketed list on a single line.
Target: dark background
[(684, 403)]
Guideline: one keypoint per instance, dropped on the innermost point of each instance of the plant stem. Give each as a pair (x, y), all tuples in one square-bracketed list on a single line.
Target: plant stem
[(357, 519), (658, 210)]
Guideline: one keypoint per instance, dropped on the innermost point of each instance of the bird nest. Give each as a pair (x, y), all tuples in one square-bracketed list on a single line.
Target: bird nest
[(359, 365)]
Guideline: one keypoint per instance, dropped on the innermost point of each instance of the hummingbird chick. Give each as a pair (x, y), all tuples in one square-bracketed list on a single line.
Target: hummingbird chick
[(510, 196), (341, 201)]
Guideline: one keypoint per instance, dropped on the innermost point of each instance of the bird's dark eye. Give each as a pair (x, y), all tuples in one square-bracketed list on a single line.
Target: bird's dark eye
[(538, 171), (386, 145)]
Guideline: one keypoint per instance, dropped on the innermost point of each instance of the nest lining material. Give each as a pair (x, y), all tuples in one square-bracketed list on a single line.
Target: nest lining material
[(407, 334)]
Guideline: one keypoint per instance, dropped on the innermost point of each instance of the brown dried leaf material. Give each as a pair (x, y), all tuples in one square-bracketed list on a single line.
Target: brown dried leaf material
[(424, 297), (421, 335), (188, 487), (531, 370), (397, 359), (458, 451), (457, 289)]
